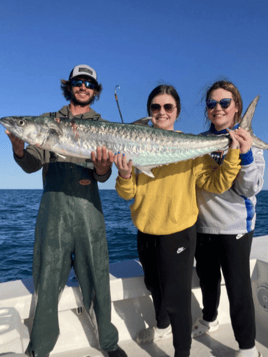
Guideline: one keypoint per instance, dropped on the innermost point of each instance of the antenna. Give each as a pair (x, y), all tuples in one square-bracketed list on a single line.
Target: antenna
[(116, 98)]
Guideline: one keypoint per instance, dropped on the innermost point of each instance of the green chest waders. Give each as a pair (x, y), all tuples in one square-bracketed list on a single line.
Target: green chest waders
[(70, 231)]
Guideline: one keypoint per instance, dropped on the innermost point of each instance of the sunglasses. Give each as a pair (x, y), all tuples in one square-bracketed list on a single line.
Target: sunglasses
[(224, 103), (79, 83), (155, 108)]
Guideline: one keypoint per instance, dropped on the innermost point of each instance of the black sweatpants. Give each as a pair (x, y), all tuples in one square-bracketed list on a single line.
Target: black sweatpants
[(167, 262), (231, 254)]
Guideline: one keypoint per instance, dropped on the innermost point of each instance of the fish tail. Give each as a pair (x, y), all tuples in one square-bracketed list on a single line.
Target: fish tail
[(246, 123)]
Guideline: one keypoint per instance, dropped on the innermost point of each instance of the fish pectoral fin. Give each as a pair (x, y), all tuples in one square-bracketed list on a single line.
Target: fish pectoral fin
[(146, 169), (53, 130)]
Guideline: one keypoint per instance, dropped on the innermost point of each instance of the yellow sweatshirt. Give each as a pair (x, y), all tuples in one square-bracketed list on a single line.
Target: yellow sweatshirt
[(166, 204)]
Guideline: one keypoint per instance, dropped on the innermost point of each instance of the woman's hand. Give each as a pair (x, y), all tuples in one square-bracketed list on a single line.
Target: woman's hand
[(234, 144), (124, 167), (245, 140)]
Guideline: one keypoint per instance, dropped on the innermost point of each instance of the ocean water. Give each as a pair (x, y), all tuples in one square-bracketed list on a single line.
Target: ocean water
[(18, 213)]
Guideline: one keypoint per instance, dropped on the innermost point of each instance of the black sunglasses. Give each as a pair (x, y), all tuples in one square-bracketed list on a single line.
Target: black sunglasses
[(79, 83), (224, 103), (155, 108)]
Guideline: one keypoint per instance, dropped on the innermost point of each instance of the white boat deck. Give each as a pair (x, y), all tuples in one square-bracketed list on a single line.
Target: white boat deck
[(132, 310)]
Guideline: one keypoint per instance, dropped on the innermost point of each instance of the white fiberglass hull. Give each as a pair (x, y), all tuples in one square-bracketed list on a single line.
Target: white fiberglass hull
[(132, 310)]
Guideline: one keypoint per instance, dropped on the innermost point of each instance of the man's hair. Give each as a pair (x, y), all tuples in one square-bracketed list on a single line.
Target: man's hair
[(67, 93)]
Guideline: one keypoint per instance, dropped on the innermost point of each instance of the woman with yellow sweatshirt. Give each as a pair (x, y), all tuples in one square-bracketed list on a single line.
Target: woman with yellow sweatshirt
[(165, 212)]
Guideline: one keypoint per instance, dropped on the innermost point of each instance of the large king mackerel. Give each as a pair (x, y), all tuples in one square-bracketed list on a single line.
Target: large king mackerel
[(147, 147)]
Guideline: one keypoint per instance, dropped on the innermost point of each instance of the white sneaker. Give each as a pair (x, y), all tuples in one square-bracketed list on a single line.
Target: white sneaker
[(241, 354), (200, 328), (153, 334)]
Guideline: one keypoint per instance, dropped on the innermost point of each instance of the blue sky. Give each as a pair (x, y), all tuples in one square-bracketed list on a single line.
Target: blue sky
[(134, 44)]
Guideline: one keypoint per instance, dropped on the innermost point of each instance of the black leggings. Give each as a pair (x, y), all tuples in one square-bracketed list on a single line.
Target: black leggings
[(226, 252), (167, 262)]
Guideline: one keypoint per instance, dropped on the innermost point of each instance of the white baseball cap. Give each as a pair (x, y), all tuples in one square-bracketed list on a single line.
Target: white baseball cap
[(83, 70)]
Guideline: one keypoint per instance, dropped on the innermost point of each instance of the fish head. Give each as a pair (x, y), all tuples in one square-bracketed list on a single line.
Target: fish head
[(25, 128), (18, 126)]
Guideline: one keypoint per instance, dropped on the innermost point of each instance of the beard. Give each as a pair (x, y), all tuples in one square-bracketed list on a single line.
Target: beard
[(81, 104)]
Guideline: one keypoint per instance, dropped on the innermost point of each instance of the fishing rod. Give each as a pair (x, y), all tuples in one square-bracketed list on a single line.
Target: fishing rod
[(117, 102)]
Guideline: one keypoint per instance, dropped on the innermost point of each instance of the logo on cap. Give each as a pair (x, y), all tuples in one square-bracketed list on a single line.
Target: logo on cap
[(83, 69)]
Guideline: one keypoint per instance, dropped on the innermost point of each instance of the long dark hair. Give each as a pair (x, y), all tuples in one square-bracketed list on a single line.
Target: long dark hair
[(164, 89)]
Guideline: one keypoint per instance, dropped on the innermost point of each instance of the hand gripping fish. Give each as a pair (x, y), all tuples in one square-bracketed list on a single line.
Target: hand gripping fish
[(146, 146)]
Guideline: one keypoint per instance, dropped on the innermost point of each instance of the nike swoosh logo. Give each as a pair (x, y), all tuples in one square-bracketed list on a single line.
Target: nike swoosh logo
[(180, 250), (240, 235)]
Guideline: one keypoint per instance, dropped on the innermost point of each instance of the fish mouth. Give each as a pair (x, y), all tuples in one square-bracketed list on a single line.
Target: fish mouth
[(6, 122), (10, 124)]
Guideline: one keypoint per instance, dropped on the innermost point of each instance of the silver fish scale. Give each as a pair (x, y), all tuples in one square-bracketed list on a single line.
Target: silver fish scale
[(156, 138), (145, 146)]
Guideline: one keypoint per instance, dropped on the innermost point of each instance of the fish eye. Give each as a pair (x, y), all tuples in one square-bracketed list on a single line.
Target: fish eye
[(21, 122)]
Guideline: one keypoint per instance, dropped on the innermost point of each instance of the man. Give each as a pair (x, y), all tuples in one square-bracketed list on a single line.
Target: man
[(70, 228)]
